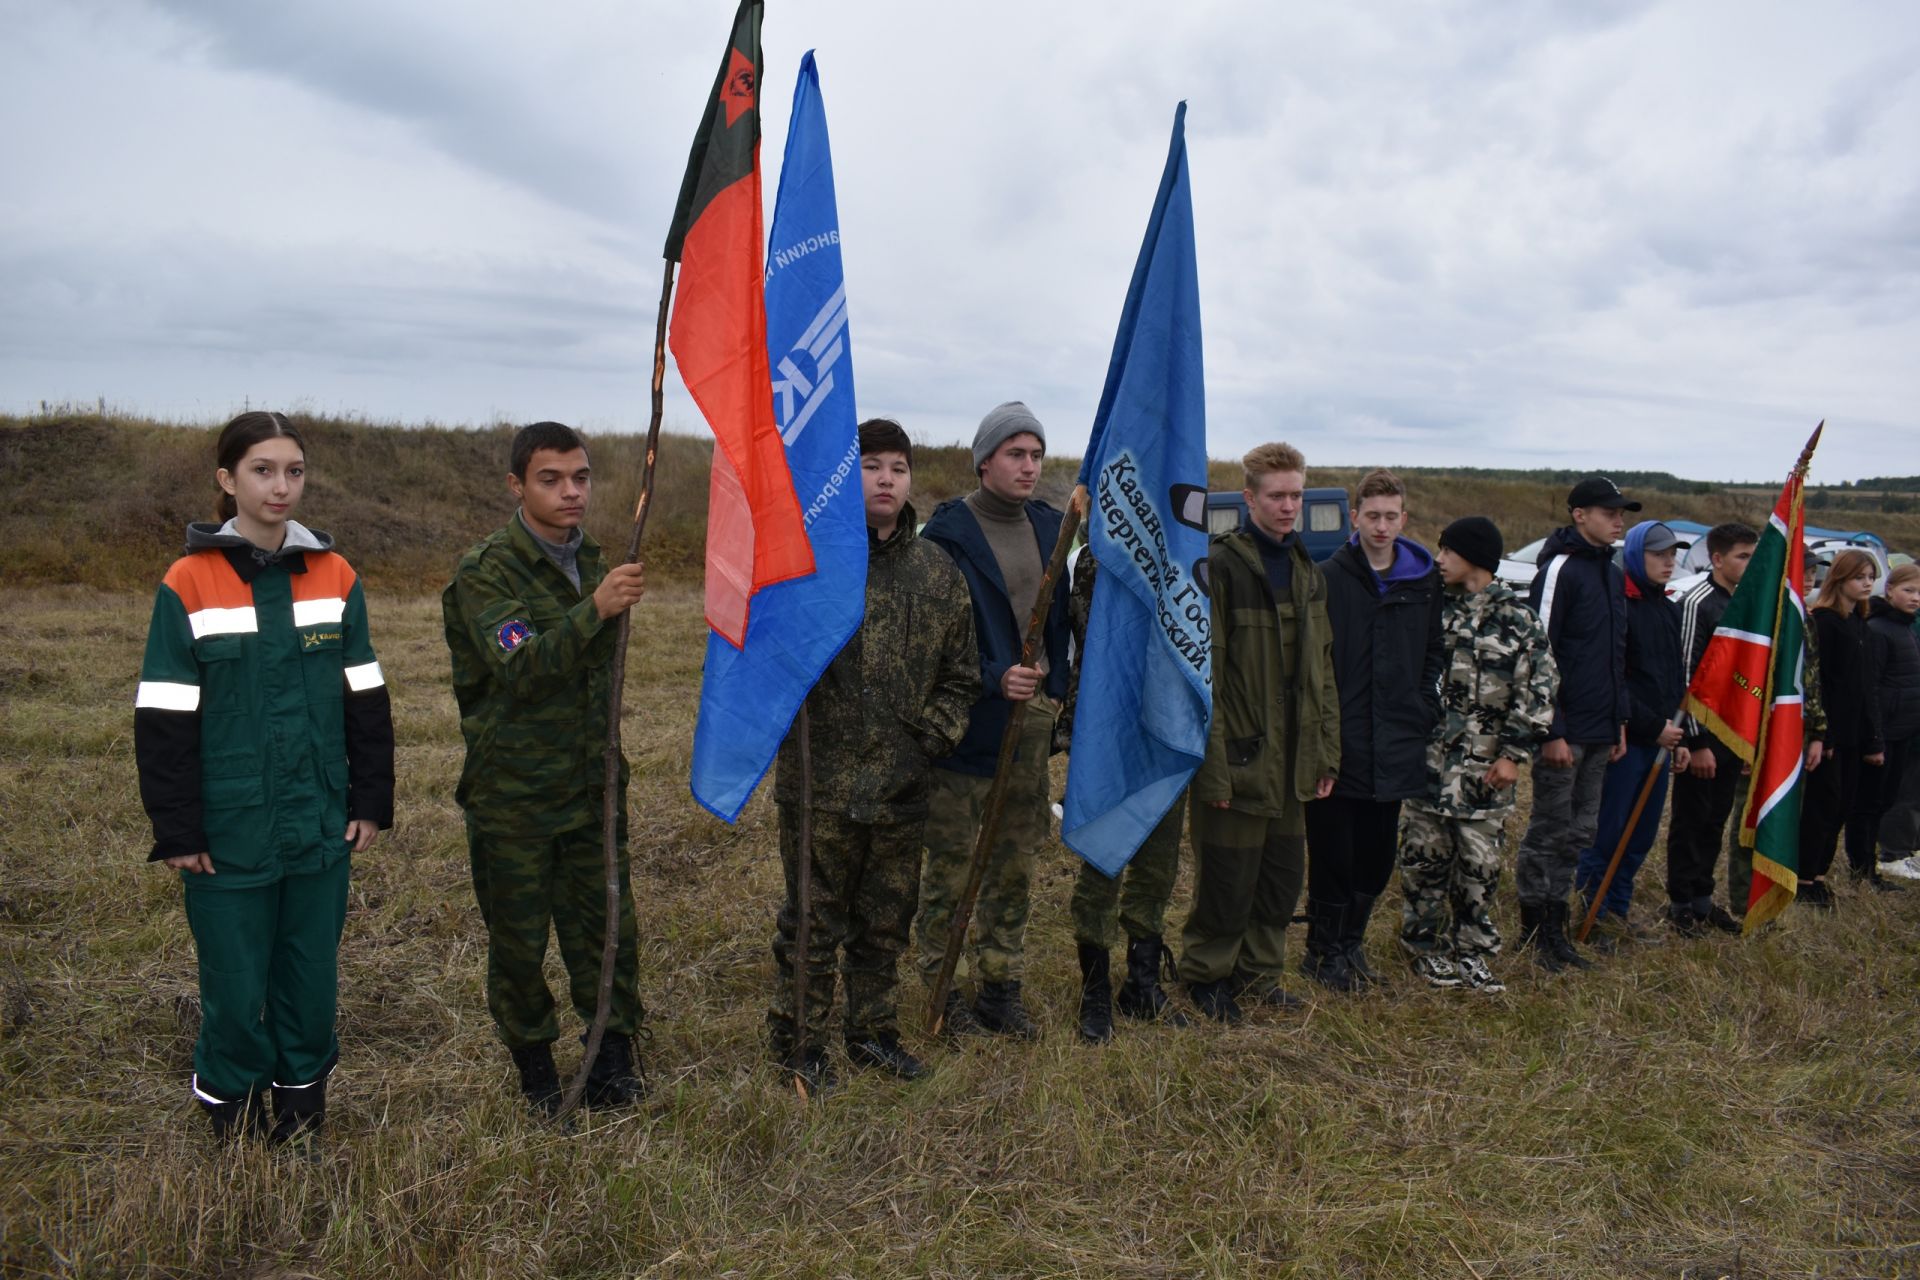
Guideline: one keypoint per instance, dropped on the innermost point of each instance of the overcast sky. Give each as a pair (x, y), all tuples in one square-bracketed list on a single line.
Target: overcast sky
[(1603, 233)]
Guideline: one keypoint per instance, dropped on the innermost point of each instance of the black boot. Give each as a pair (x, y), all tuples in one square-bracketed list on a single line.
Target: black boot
[(957, 1020), (297, 1110), (1323, 937), (1554, 926), (813, 1072), (1215, 999), (1000, 1011), (1096, 995), (617, 1078), (243, 1117), (1141, 995), (882, 1052), (1353, 936), (1533, 938), (539, 1082)]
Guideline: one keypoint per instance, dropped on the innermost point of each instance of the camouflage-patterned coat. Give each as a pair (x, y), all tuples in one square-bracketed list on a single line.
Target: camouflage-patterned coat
[(1496, 699), (532, 660), (898, 695)]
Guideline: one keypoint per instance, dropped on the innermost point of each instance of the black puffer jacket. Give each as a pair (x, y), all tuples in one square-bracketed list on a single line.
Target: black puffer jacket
[(1387, 662), (1580, 595), (1849, 681), (1897, 657)]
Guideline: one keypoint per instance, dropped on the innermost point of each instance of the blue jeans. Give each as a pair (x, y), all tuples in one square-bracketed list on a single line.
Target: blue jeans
[(1620, 789)]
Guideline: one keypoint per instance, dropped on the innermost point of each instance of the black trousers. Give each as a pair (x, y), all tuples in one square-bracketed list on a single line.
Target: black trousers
[(1351, 845), (1879, 783), (1830, 792), (1701, 807)]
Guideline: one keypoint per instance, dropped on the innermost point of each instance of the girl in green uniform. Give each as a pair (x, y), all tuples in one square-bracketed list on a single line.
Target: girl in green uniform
[(264, 739)]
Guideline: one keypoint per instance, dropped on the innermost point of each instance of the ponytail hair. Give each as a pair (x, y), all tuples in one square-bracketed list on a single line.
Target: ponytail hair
[(236, 438)]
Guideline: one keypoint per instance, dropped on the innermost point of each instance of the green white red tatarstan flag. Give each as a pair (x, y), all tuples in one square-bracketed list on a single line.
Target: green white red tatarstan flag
[(1749, 690)]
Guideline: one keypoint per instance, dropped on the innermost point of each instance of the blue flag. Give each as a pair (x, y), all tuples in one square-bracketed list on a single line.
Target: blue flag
[(749, 695), (1140, 729)]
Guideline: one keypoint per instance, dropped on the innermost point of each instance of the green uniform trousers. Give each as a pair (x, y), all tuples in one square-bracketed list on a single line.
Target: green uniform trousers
[(866, 882), (269, 980), (527, 885), (1449, 869), (1247, 876), (954, 809), (1136, 899)]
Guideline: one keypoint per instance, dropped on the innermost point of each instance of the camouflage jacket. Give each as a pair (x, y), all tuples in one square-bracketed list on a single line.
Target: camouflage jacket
[(898, 695), (532, 660), (1496, 699)]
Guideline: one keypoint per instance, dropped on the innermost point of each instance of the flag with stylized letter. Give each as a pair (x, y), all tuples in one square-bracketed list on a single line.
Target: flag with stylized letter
[(1749, 691), (749, 693), (755, 533), (1145, 700)]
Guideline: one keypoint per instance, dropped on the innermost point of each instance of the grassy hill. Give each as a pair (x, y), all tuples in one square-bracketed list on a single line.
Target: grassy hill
[(103, 500)]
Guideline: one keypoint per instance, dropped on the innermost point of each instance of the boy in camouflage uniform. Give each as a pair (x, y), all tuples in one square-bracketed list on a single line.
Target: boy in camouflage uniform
[(893, 700), (1136, 899), (526, 619), (1496, 706)]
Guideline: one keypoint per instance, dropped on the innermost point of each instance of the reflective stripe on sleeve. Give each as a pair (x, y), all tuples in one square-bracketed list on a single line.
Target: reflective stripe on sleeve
[(311, 613), (163, 695), (220, 622), (364, 677)]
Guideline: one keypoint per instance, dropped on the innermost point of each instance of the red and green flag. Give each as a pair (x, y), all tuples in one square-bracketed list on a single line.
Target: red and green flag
[(756, 535), (1750, 691)]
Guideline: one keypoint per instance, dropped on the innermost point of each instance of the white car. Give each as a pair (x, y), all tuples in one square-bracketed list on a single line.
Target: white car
[(1518, 569)]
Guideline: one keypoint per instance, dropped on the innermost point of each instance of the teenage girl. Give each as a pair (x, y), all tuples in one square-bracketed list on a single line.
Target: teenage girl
[(1849, 691), (1896, 654), (265, 746)]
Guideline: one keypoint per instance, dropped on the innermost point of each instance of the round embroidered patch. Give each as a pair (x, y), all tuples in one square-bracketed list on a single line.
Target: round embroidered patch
[(511, 634)]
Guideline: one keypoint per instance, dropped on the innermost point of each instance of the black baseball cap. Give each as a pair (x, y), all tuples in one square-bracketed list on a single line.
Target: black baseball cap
[(1598, 491)]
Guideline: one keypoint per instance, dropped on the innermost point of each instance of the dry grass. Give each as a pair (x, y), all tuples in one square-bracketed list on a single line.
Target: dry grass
[(1711, 1108)]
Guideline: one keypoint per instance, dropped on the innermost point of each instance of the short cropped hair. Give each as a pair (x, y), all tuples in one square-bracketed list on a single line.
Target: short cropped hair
[(1266, 459), (1723, 538), (535, 436), (1379, 483), (884, 435)]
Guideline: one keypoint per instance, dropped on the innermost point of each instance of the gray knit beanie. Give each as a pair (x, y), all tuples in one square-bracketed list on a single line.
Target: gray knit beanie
[(1002, 423)]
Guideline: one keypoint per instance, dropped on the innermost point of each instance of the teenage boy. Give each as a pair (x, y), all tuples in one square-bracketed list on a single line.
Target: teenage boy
[(1496, 695), (1275, 744), (526, 619), (1703, 794), (1580, 595), (1384, 601), (1000, 537), (1656, 681), (895, 699), (1134, 901)]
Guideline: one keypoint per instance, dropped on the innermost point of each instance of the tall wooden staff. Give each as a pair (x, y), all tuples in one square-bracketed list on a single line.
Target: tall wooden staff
[(1009, 741), (803, 901), (1633, 821), (616, 695)]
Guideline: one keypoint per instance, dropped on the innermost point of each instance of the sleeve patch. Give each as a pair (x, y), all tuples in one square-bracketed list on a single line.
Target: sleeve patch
[(512, 634)]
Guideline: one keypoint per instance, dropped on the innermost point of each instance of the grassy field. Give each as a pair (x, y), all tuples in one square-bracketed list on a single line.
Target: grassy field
[(1708, 1108)]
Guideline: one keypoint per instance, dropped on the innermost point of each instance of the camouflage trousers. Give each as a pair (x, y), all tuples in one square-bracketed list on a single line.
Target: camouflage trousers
[(1247, 876), (1136, 899), (529, 885), (1449, 869), (866, 879), (998, 933)]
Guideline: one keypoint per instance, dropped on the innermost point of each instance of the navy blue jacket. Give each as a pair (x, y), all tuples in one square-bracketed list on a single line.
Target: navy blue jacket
[(1656, 667), (1581, 597), (998, 625), (1388, 657)]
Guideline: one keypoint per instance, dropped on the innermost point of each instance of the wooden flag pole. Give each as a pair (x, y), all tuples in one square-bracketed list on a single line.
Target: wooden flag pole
[(1009, 741), (1619, 850), (616, 696), (803, 901)]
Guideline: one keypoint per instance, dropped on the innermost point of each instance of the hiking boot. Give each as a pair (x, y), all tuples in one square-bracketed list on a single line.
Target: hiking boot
[(1141, 995), (539, 1082), (1533, 938), (1096, 995), (1436, 970), (1334, 971), (616, 1078), (1554, 926), (813, 1073), (1215, 999), (298, 1110), (957, 1020), (1474, 973), (1001, 1012), (883, 1053), (1686, 921)]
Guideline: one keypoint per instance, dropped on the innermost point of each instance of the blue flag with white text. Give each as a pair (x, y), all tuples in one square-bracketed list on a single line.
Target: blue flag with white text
[(1146, 700), (749, 695)]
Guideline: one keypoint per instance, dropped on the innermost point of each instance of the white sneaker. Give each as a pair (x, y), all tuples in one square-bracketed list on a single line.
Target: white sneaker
[(1474, 972), (1908, 868)]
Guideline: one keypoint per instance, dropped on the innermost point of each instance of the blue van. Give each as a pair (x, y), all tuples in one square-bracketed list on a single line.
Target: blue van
[(1324, 525)]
